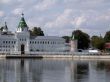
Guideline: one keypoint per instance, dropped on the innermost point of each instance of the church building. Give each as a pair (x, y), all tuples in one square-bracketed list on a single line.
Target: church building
[(22, 42)]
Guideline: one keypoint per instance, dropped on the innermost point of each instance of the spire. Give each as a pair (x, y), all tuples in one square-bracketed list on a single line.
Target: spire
[(22, 15), (22, 23), (6, 26)]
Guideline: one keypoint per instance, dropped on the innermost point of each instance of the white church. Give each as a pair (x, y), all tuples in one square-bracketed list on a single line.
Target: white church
[(22, 42)]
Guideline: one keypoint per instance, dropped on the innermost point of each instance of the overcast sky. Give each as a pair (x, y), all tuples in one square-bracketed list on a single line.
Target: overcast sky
[(58, 17)]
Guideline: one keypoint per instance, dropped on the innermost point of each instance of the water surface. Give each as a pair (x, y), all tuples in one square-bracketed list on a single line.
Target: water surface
[(48, 70)]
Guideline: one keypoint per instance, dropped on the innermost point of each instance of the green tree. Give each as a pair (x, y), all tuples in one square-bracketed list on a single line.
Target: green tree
[(67, 38), (97, 42), (1, 28), (83, 39), (37, 31), (107, 36)]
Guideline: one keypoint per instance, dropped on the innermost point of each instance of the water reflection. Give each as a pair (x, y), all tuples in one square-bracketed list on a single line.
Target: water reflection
[(103, 65), (54, 71), (81, 72)]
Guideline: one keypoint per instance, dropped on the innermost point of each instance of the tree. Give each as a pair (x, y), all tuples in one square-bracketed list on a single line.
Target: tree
[(83, 39), (107, 36), (97, 42), (67, 38), (37, 31), (1, 28)]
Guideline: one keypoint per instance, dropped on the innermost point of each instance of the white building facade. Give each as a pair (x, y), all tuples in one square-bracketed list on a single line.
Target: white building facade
[(22, 42)]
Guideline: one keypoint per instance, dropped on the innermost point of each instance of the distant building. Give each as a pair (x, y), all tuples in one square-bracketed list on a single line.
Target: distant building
[(107, 46), (22, 42)]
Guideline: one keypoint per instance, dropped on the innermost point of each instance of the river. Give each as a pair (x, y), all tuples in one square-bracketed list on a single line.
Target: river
[(54, 70)]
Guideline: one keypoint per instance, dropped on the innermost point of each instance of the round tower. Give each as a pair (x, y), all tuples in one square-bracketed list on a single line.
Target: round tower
[(73, 44)]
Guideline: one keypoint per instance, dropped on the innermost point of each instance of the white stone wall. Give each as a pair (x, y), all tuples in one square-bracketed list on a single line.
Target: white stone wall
[(7, 43), (10, 43), (47, 44), (22, 38)]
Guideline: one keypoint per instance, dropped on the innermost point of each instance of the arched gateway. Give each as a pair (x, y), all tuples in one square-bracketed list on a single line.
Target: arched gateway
[(22, 49)]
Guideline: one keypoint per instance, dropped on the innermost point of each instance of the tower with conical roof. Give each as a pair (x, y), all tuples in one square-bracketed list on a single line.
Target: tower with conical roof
[(22, 35), (73, 44), (22, 27)]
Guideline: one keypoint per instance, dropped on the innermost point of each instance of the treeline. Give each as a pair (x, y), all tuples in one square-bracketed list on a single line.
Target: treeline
[(85, 41)]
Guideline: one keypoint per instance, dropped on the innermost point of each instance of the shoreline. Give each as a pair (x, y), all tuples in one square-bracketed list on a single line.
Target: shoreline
[(74, 57)]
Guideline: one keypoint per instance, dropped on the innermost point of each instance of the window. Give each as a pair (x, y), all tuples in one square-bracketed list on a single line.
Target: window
[(14, 42), (3, 41), (31, 49), (40, 42)]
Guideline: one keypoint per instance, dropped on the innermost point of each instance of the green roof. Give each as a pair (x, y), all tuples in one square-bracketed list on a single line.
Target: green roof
[(22, 23)]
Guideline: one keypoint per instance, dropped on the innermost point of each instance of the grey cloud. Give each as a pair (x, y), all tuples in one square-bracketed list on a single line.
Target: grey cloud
[(95, 15)]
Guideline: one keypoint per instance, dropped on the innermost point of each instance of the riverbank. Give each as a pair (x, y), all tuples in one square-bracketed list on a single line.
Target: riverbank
[(97, 57)]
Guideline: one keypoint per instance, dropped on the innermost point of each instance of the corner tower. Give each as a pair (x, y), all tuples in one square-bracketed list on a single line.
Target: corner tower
[(22, 27), (73, 44)]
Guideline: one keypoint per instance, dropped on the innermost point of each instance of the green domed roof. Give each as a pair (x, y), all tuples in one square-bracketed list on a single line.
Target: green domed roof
[(22, 23)]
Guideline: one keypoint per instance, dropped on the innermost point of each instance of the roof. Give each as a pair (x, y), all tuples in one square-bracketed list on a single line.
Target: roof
[(48, 37), (22, 23)]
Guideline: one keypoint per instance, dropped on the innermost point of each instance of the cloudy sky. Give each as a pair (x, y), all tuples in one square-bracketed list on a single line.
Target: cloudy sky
[(58, 17)]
